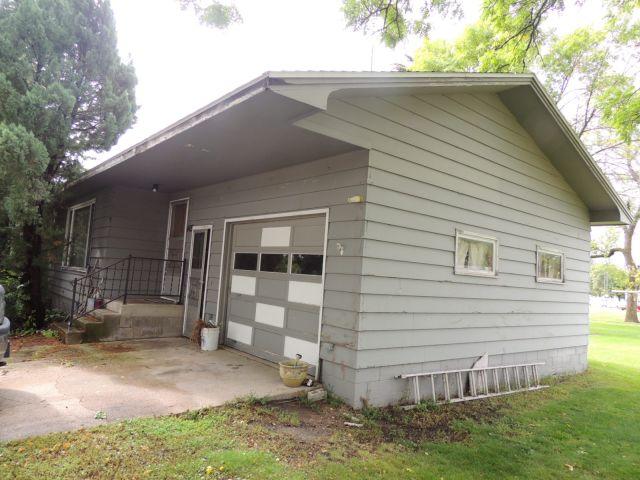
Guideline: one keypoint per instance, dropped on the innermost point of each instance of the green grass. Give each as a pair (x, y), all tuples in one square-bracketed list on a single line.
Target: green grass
[(586, 426)]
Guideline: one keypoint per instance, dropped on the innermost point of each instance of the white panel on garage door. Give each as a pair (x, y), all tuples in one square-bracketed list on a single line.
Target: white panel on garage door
[(308, 350), (275, 237), (239, 332), (243, 285), (270, 314), (305, 292)]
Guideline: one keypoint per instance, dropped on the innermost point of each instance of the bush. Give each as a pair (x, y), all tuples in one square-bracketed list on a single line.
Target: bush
[(15, 298)]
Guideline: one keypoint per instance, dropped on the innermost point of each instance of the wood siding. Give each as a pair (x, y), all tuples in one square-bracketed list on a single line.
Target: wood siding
[(440, 163), (125, 222), (325, 183)]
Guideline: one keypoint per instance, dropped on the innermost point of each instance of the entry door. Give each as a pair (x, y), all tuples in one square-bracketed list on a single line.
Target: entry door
[(274, 290), (174, 248), (197, 281)]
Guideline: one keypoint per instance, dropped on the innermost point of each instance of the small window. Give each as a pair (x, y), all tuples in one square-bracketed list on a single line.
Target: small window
[(245, 261), (78, 234), (476, 254), (178, 220), (197, 253), (304, 264), (550, 266), (274, 262)]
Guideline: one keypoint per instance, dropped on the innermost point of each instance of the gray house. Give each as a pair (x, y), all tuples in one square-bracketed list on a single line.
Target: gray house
[(376, 223)]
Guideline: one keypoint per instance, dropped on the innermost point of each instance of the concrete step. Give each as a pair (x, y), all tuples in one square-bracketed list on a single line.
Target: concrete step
[(114, 306), (69, 336)]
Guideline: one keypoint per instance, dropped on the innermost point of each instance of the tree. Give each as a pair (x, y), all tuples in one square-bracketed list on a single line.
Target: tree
[(64, 91), (213, 13), (606, 277)]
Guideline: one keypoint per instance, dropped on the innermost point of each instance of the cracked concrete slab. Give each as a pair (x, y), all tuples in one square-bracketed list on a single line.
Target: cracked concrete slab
[(125, 380)]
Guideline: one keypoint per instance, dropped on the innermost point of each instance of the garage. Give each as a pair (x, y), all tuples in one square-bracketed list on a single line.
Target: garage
[(275, 271)]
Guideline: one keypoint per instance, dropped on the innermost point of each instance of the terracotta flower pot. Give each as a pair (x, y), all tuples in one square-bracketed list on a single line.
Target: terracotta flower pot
[(293, 372)]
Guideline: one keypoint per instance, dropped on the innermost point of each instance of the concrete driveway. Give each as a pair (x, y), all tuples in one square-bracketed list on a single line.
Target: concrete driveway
[(63, 387)]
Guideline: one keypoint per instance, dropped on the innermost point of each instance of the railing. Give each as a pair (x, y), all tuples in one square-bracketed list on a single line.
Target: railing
[(125, 278)]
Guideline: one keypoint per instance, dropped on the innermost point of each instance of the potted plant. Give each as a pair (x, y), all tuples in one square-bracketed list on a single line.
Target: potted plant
[(209, 335), (294, 372)]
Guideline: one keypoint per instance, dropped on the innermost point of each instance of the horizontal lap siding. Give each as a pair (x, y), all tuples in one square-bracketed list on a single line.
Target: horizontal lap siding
[(125, 222), (136, 223), (440, 163), (325, 183), (59, 279)]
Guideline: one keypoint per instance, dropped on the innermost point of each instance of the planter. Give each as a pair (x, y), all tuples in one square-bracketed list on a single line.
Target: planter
[(293, 372), (209, 338)]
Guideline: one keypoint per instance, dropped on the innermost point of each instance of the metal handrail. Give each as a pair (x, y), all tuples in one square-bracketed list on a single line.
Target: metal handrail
[(124, 278)]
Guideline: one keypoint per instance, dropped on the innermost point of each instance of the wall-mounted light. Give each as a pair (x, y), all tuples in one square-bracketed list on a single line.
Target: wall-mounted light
[(356, 199), (155, 188)]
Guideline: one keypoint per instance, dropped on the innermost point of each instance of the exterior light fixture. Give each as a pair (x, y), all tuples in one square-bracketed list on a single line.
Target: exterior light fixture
[(155, 188)]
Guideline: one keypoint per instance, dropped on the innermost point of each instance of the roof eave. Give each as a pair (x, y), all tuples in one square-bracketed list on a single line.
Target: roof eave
[(235, 97)]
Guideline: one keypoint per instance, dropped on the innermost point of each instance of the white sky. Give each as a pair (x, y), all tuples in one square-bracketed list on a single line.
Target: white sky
[(182, 65)]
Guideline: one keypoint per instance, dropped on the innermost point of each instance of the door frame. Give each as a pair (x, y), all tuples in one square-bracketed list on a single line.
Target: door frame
[(223, 279), (206, 272), (166, 238)]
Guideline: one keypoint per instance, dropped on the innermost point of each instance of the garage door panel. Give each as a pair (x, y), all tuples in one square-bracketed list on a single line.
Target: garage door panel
[(270, 288), (247, 236), (243, 285), (302, 322), (242, 309), (269, 342), (308, 236)]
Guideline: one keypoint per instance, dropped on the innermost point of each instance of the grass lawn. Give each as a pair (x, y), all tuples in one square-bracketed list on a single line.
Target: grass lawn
[(586, 426)]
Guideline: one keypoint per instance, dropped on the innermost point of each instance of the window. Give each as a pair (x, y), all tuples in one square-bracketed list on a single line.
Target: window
[(304, 264), (274, 262), (178, 220), (245, 261), (476, 254), (197, 253), (550, 266), (77, 235)]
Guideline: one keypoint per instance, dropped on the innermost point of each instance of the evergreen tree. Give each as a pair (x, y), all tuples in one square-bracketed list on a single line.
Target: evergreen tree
[(64, 91)]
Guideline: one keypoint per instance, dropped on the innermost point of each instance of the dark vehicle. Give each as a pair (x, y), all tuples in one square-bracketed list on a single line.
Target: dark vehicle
[(4, 331)]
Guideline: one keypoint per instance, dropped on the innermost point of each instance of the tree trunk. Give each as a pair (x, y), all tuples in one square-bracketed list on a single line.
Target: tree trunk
[(32, 275), (631, 314)]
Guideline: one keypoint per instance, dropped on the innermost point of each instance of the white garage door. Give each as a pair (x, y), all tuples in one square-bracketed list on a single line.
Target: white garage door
[(274, 290)]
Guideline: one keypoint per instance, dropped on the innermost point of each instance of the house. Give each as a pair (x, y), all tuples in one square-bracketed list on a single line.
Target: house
[(376, 223)]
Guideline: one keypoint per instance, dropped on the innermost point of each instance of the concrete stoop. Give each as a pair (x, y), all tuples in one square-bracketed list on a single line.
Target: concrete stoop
[(124, 322)]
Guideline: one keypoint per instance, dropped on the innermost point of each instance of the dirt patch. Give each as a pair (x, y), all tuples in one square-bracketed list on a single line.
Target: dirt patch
[(36, 340), (434, 423), (108, 347), (299, 433), (59, 352)]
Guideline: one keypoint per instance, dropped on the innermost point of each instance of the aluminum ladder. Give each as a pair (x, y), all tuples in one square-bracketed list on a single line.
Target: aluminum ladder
[(484, 382)]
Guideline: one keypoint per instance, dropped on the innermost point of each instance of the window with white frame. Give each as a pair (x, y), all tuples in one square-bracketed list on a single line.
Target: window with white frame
[(77, 234), (476, 254), (549, 265)]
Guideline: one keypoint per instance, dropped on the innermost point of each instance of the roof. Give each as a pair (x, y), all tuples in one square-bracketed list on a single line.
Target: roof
[(222, 127)]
